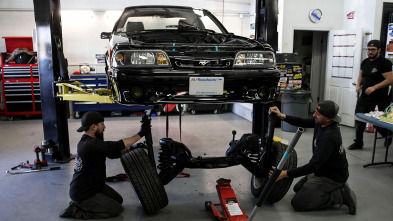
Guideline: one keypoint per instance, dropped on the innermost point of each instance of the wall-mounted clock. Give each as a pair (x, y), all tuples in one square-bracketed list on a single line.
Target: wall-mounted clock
[(315, 15)]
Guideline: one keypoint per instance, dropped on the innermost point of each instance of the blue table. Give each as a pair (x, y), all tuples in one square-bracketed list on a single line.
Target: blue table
[(377, 123)]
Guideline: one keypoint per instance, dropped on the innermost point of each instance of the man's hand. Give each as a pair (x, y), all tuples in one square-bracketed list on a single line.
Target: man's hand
[(282, 175), (369, 90), (145, 127), (275, 110)]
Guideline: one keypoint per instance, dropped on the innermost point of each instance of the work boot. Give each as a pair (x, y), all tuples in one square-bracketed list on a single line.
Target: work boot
[(70, 211), (299, 184), (349, 198), (356, 146)]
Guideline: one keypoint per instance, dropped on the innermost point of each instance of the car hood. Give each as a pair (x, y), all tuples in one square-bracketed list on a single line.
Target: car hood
[(164, 39)]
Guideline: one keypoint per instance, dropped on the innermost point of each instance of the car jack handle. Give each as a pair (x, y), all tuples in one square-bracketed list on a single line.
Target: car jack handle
[(276, 173)]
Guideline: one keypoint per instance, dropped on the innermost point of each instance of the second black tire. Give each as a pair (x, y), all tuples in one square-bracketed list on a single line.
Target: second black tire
[(145, 181), (280, 188)]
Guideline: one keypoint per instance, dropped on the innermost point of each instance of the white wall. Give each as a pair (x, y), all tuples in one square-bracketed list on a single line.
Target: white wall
[(296, 17), (83, 21)]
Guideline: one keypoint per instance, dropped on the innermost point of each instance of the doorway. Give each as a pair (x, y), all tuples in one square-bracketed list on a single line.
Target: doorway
[(311, 48)]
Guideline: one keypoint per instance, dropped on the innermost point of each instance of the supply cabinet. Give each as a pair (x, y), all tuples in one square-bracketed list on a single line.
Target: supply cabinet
[(20, 84), (99, 81)]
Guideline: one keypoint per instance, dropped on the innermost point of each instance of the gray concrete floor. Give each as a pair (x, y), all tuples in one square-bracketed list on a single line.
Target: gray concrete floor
[(37, 196)]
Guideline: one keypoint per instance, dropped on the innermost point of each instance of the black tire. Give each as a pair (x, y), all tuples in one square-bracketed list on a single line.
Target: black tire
[(145, 181), (281, 187)]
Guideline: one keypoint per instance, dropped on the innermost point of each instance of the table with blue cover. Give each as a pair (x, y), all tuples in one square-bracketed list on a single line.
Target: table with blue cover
[(381, 124)]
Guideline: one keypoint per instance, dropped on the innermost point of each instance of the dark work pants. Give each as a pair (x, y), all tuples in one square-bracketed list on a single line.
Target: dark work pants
[(363, 106), (317, 193), (106, 204)]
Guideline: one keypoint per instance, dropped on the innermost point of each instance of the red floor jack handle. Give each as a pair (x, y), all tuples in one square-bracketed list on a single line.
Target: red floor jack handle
[(268, 187), (229, 203)]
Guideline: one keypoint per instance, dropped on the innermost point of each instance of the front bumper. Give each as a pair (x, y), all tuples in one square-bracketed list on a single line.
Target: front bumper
[(172, 86)]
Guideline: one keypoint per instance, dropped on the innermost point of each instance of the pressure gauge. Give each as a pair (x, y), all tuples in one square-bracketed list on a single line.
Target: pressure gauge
[(315, 15)]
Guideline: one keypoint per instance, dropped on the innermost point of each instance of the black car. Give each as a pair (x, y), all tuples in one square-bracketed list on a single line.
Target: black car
[(179, 54)]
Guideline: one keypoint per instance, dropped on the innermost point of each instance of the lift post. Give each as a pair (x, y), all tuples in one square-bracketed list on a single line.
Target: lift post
[(52, 66), (266, 20)]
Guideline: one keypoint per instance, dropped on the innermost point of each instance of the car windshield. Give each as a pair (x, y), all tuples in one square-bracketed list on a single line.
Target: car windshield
[(167, 18)]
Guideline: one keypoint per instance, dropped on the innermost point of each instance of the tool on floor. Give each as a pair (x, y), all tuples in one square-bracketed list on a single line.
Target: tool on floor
[(266, 190), (44, 162), (22, 165), (37, 161), (32, 171), (229, 207)]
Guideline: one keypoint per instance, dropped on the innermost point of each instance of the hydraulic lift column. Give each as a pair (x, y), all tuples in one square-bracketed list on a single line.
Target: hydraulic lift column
[(54, 111), (265, 30)]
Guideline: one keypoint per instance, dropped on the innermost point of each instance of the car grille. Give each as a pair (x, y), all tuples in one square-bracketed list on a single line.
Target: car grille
[(181, 63)]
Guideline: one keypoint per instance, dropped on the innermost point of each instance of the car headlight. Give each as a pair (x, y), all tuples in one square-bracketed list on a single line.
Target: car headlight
[(249, 59), (148, 58)]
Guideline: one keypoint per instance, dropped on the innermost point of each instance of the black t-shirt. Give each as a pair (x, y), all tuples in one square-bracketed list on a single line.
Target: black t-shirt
[(90, 169), (329, 157), (372, 74)]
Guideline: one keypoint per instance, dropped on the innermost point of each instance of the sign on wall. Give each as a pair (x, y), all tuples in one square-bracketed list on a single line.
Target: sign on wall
[(343, 55)]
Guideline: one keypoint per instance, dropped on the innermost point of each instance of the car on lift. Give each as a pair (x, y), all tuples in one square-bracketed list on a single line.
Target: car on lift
[(177, 54)]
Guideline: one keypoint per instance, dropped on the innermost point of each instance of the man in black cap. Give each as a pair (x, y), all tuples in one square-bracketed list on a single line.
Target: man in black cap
[(373, 86), (325, 176), (90, 197)]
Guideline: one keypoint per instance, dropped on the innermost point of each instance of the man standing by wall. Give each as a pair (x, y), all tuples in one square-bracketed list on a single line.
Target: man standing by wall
[(373, 85)]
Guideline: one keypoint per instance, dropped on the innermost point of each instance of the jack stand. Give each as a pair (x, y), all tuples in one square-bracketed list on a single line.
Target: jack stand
[(230, 207)]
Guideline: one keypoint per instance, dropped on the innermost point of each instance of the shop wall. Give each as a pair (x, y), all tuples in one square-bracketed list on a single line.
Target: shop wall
[(83, 21), (295, 15)]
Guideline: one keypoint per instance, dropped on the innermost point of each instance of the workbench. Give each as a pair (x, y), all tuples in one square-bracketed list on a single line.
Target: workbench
[(381, 124)]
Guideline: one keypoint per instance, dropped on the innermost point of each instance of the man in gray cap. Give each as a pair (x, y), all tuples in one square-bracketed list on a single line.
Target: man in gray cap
[(90, 196), (325, 176), (373, 86)]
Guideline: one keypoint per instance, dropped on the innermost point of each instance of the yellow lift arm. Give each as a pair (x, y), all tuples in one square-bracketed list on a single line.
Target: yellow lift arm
[(73, 91)]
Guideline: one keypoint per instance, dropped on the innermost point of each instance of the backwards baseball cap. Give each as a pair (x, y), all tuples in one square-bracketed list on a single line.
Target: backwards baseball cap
[(90, 118), (374, 43), (329, 109)]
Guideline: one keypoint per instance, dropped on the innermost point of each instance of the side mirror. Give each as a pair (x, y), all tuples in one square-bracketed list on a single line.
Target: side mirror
[(105, 35)]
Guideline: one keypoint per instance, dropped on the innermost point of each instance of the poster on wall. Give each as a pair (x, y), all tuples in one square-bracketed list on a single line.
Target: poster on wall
[(343, 55)]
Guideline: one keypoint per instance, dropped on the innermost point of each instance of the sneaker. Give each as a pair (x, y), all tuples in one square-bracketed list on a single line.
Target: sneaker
[(349, 198), (356, 146), (70, 211)]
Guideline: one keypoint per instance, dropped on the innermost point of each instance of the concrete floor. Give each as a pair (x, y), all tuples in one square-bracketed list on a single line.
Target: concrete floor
[(37, 196)]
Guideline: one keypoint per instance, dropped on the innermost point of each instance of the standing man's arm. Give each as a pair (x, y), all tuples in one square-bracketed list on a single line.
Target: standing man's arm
[(388, 81), (360, 81)]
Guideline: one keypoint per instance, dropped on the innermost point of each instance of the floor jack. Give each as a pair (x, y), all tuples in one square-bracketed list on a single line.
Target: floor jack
[(230, 207), (229, 203)]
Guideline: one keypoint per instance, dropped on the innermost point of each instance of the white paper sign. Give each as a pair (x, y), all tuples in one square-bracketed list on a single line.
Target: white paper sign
[(206, 86)]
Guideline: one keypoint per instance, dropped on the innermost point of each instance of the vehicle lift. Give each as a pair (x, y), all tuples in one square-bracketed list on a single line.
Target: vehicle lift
[(53, 68)]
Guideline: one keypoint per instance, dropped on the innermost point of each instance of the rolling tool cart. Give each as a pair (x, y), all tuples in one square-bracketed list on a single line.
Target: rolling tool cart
[(20, 84)]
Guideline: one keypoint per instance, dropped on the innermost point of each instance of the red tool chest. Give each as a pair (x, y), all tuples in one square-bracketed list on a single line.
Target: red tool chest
[(20, 84)]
